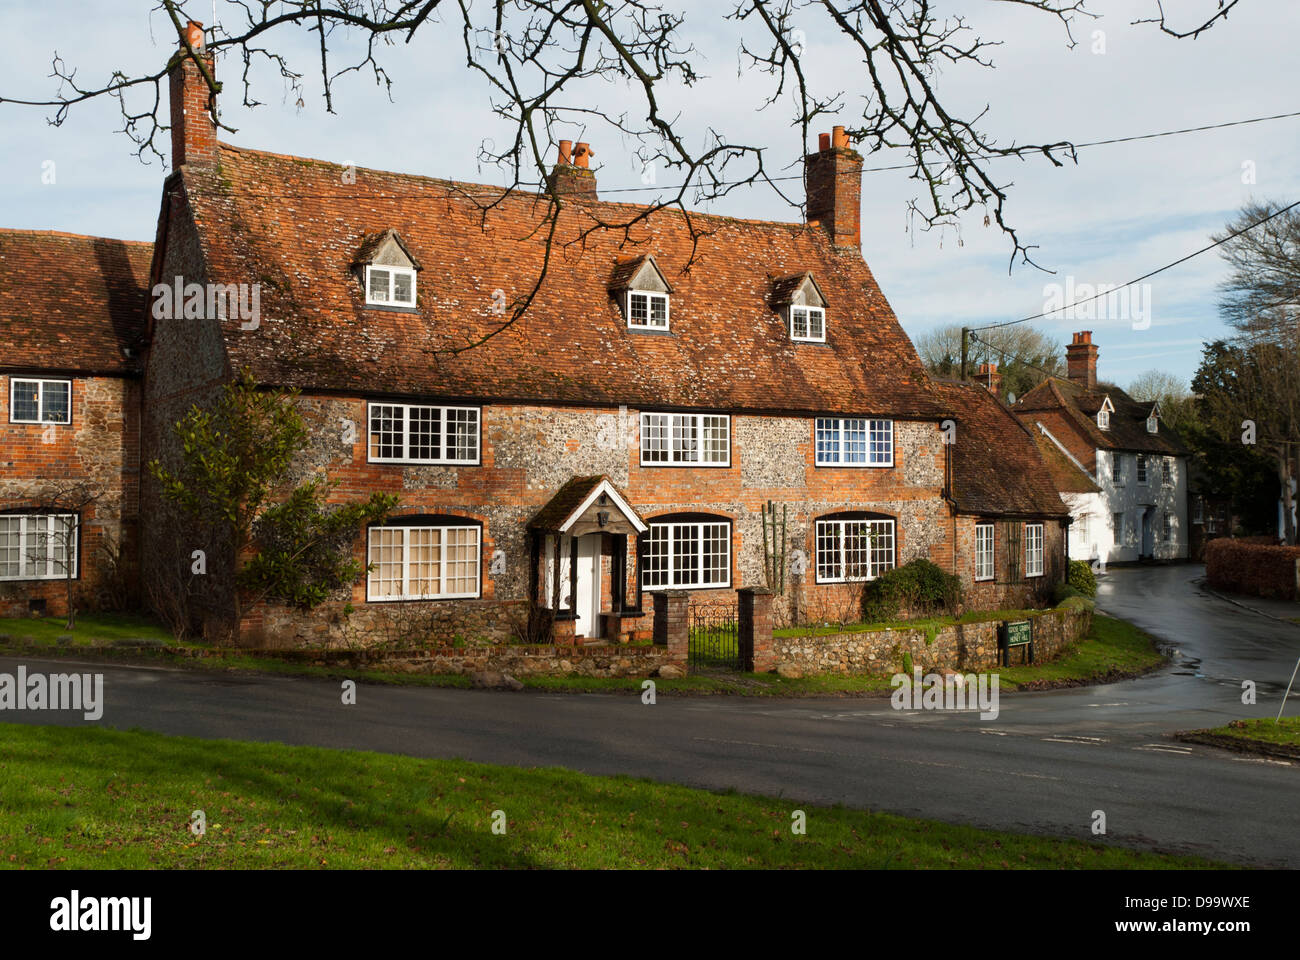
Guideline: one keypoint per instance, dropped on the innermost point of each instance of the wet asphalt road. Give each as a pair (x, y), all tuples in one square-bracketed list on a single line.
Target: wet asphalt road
[(1043, 766)]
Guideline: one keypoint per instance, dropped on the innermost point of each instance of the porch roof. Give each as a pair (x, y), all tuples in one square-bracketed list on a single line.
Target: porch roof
[(573, 499)]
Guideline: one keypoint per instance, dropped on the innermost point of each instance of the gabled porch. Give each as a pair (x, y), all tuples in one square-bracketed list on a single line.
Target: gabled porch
[(583, 548)]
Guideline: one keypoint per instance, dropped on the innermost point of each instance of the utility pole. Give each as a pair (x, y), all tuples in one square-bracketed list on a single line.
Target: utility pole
[(965, 339)]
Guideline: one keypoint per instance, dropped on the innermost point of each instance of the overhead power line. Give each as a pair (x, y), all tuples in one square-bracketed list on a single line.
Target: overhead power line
[(1145, 276)]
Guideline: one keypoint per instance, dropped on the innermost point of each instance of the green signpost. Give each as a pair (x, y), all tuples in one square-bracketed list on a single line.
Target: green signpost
[(1016, 633)]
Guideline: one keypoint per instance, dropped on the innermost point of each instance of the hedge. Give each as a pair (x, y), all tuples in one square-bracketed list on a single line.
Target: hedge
[(1259, 569)]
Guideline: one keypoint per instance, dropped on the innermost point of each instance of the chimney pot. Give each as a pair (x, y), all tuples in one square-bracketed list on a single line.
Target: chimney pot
[(194, 35), (839, 139), (566, 152), (582, 155), (823, 141)]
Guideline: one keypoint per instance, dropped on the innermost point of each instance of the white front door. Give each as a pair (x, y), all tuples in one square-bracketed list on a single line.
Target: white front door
[(587, 592)]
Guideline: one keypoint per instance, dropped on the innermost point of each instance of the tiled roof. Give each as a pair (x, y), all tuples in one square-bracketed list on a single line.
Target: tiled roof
[(71, 303), (292, 225), (1067, 477), (567, 499), (1128, 422), (996, 465)]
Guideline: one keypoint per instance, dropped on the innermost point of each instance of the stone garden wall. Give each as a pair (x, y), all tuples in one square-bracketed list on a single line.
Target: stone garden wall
[(968, 646)]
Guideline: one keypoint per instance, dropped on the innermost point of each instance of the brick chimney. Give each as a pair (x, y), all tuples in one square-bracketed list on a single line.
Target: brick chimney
[(833, 181), (572, 175), (194, 132), (1081, 360), (988, 376)]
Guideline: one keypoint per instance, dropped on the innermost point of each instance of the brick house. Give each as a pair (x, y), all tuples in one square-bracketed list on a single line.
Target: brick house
[(1136, 466), (1010, 525), (625, 436), (73, 311)]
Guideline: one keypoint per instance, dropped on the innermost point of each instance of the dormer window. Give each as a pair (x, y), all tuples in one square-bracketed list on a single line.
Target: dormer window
[(387, 271), (647, 310), (804, 307), (808, 323), (1153, 424), (643, 293), (1103, 415), (390, 286)]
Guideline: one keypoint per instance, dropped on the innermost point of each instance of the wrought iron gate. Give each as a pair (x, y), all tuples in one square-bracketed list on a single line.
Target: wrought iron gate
[(714, 637)]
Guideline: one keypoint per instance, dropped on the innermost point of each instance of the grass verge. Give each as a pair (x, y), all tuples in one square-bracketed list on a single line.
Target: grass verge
[(92, 630), (98, 798), (1262, 735)]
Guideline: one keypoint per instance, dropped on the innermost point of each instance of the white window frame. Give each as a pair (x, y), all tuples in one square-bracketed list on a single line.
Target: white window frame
[(873, 432), (1199, 515), (1167, 471), (1119, 527), (1117, 469), (651, 296), (1143, 471), (1034, 550), (27, 532), (41, 383), (444, 529), (443, 418), (670, 554), (1153, 424), (985, 552), (874, 568), (393, 273), (1166, 527), (660, 433), (810, 313)]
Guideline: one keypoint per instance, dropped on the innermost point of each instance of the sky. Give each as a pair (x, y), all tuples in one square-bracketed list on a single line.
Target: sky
[(1122, 211)]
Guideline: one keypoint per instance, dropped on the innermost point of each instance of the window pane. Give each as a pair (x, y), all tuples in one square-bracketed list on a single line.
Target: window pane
[(462, 561), (828, 441), (26, 400), (685, 553), (658, 311), (817, 324), (882, 546), (655, 573), (828, 551), (638, 309), (462, 435), (425, 439), (799, 318), (385, 578), (424, 561), (654, 438), (686, 445), (378, 285), (55, 402), (858, 550), (386, 432), (715, 439), (10, 547), (717, 553), (882, 441), (402, 285), (854, 449)]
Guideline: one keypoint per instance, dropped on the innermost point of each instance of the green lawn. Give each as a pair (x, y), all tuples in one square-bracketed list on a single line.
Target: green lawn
[(93, 797), (1113, 649), (92, 629)]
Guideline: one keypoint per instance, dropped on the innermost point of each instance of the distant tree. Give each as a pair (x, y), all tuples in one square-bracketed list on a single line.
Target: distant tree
[(1171, 392), (1025, 356), (1248, 415), (1261, 297), (232, 480)]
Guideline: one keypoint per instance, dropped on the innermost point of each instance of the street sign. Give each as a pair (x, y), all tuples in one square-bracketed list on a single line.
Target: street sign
[(1016, 633)]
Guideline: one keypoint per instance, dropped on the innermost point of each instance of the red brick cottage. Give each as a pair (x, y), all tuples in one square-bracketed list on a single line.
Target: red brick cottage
[(625, 436), (73, 312)]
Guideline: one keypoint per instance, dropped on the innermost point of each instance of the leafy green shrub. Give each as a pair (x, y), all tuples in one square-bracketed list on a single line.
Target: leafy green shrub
[(921, 588), (1082, 578), (1062, 592)]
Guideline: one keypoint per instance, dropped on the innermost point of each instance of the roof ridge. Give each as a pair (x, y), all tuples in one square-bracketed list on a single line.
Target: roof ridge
[(63, 234), (525, 194)]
